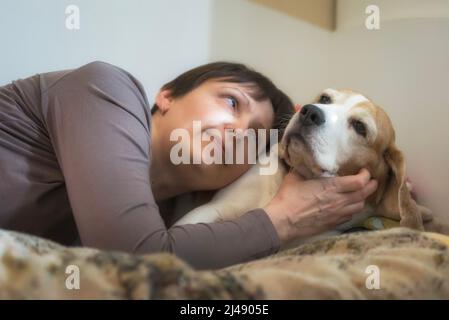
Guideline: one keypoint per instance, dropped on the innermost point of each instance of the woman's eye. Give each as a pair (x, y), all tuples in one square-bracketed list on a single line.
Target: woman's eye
[(324, 99), (359, 127), (231, 101)]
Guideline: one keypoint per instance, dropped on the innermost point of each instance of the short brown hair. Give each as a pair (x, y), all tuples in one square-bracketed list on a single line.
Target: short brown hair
[(262, 87)]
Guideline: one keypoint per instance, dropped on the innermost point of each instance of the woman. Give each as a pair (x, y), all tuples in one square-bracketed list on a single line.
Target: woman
[(82, 155)]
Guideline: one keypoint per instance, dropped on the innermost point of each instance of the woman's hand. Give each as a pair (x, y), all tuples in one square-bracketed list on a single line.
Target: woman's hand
[(303, 208)]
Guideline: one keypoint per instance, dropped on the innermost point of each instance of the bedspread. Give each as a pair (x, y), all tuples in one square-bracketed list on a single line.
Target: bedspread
[(397, 263)]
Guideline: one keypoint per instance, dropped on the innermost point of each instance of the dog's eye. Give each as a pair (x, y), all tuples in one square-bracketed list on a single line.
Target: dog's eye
[(325, 99), (359, 127)]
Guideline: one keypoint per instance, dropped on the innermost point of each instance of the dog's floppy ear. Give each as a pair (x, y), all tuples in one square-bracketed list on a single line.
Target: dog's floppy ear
[(396, 200)]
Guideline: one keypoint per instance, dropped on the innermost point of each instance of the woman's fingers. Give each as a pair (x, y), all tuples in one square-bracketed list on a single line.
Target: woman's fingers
[(361, 194), (355, 202), (348, 211)]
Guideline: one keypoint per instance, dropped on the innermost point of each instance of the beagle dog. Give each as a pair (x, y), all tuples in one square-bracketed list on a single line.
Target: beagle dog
[(338, 134)]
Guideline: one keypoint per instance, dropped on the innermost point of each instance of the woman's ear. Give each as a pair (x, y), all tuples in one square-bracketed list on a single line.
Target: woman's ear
[(396, 201), (164, 100)]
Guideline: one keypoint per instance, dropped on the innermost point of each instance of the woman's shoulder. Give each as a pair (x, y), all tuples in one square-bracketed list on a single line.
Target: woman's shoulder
[(99, 73), (99, 77), (104, 71)]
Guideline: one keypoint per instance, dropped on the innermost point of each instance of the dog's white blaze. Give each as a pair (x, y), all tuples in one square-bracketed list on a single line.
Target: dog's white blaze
[(333, 118), (324, 142)]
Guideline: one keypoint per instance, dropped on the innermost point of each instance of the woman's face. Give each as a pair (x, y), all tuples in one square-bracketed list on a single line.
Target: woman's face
[(218, 105)]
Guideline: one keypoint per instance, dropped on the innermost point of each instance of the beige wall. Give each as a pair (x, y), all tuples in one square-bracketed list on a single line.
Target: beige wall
[(404, 67)]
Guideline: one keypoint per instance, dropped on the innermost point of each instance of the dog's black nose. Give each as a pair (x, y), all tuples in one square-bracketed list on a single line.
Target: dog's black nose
[(311, 115)]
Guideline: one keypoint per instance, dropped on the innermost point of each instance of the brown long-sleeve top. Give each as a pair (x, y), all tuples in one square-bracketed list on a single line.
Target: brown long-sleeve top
[(75, 154)]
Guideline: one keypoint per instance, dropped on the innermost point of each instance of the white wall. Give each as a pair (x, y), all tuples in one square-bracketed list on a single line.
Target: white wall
[(153, 39)]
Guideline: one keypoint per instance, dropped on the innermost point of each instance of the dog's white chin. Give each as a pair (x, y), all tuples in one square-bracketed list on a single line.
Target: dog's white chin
[(328, 174), (309, 174)]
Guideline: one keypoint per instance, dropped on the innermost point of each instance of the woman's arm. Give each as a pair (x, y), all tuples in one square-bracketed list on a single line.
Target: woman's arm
[(98, 119)]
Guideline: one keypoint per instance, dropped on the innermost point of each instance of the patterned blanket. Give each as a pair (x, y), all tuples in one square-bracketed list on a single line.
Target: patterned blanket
[(397, 263)]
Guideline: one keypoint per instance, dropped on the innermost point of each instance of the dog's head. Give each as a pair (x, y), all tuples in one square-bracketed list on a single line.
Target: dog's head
[(342, 132)]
